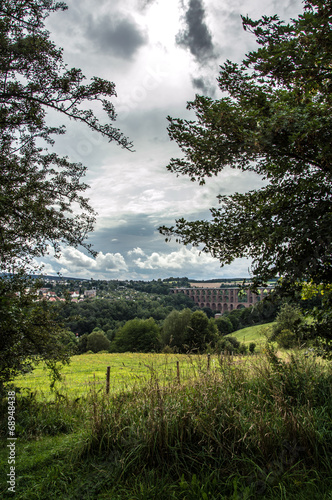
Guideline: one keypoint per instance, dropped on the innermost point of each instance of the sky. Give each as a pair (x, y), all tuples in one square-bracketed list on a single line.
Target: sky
[(159, 54)]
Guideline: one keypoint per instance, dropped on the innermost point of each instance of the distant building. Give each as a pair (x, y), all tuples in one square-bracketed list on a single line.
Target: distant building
[(221, 300), (90, 293), (47, 294)]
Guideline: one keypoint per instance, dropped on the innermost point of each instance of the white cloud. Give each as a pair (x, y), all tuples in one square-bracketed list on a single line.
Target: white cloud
[(136, 251), (142, 264), (48, 269), (82, 264), (175, 260), (43, 268), (189, 262)]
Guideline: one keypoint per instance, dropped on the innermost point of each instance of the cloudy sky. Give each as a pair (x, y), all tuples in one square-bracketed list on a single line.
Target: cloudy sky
[(159, 53)]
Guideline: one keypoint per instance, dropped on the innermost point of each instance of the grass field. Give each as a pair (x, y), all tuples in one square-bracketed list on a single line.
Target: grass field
[(253, 334), (249, 427), (127, 371)]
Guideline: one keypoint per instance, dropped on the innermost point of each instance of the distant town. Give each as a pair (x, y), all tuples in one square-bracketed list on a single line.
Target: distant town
[(220, 295)]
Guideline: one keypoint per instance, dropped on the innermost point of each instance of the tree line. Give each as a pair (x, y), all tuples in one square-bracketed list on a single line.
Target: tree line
[(166, 321)]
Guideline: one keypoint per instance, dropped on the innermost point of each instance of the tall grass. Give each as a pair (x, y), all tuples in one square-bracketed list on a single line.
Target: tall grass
[(259, 427), (269, 424)]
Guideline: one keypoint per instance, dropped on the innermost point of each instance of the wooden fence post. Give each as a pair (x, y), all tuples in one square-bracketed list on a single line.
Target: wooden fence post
[(108, 374), (208, 362), (178, 371)]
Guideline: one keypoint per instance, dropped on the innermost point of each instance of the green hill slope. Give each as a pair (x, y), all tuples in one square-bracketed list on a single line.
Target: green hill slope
[(254, 333)]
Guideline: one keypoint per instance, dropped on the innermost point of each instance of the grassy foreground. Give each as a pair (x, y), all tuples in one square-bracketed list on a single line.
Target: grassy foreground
[(258, 428)]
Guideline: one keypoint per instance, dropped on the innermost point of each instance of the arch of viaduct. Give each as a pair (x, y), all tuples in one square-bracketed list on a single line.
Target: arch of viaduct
[(221, 299)]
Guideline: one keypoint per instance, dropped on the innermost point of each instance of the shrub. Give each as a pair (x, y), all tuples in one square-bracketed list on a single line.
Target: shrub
[(229, 344), (287, 331), (224, 325), (97, 341), (286, 339), (137, 335), (252, 347)]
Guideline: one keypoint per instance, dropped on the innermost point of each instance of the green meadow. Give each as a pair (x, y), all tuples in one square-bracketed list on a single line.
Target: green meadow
[(256, 334), (128, 371), (181, 427)]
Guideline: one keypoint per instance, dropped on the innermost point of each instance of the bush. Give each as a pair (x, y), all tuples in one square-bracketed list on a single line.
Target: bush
[(252, 347), (97, 341), (224, 325), (288, 330), (137, 335), (243, 349), (286, 339), (230, 344)]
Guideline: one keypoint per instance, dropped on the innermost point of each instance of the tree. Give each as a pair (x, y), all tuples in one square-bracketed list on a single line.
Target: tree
[(321, 328), (82, 343), (41, 201), (288, 328), (97, 341), (30, 331), (208, 311), (40, 191), (174, 329), (224, 325), (233, 317), (201, 331), (137, 335), (276, 121)]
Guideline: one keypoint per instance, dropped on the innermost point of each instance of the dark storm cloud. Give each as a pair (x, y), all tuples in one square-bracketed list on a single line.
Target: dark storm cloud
[(196, 37), (118, 36), (133, 230), (204, 85)]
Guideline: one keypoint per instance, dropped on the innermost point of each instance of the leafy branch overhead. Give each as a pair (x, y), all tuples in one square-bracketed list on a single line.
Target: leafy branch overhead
[(40, 191), (275, 121)]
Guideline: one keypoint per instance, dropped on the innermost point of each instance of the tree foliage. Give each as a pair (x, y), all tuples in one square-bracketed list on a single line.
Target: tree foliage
[(174, 329), (137, 335), (41, 200), (275, 121), (201, 332), (224, 325), (30, 331), (97, 341), (288, 328)]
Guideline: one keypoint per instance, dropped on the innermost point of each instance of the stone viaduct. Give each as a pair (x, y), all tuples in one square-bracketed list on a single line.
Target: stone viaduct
[(221, 300)]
